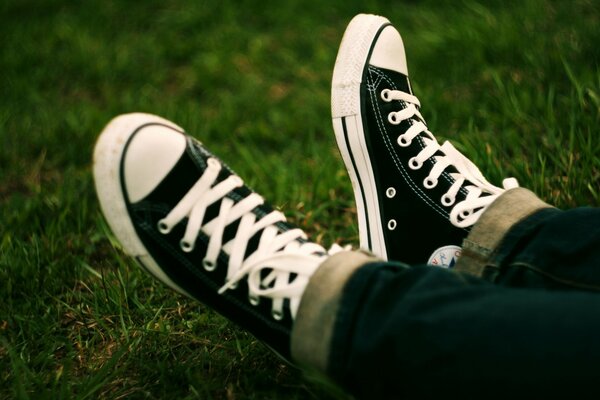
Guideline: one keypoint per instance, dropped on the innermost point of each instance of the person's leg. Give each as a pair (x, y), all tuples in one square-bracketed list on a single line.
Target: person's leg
[(428, 332), (550, 248)]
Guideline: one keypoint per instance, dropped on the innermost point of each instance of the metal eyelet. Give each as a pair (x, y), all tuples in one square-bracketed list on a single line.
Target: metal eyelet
[(447, 200), (465, 214), (385, 95), (254, 300), (393, 118), (209, 265), (392, 224), (430, 183), (163, 227), (186, 246), (413, 163), (390, 192), (277, 315), (403, 142)]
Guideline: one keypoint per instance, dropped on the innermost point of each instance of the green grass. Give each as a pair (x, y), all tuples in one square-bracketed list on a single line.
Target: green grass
[(514, 84)]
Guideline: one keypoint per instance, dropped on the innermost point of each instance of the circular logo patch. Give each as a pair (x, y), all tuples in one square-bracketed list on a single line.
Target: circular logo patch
[(445, 256)]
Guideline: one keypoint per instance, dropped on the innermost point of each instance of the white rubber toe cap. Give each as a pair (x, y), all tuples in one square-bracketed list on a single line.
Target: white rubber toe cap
[(151, 155), (389, 52)]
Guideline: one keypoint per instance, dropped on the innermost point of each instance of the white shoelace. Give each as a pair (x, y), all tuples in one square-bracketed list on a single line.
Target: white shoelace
[(279, 252), (479, 195)]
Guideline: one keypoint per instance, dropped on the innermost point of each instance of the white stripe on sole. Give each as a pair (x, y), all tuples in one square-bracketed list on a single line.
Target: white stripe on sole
[(348, 126)]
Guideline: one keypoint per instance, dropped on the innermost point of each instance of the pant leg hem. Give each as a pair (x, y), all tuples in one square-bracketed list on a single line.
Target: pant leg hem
[(507, 210), (314, 325)]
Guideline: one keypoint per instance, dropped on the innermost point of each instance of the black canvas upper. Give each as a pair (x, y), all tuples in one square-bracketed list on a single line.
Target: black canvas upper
[(186, 269), (422, 221)]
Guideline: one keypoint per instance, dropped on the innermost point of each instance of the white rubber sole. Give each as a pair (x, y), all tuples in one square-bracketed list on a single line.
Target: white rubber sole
[(348, 126), (108, 154)]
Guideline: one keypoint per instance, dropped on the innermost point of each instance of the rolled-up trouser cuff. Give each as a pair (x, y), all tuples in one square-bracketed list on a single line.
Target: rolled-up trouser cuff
[(508, 209), (313, 327)]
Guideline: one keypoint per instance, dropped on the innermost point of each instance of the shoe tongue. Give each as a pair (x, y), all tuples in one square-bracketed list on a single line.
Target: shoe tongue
[(400, 81), (468, 169)]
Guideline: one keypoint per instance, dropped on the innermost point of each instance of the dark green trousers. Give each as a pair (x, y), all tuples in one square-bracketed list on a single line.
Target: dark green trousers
[(529, 325)]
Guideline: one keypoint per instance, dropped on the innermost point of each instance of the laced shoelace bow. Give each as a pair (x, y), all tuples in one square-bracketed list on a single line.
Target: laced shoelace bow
[(278, 252), (479, 195)]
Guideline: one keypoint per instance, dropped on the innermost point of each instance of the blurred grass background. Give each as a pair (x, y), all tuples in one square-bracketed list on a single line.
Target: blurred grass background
[(514, 84)]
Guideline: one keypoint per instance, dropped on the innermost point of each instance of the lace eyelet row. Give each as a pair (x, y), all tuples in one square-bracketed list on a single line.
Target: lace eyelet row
[(413, 109), (393, 119), (210, 266)]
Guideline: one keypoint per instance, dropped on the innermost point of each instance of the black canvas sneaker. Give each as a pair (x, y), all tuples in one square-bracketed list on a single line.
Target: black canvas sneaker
[(416, 199), (193, 224)]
